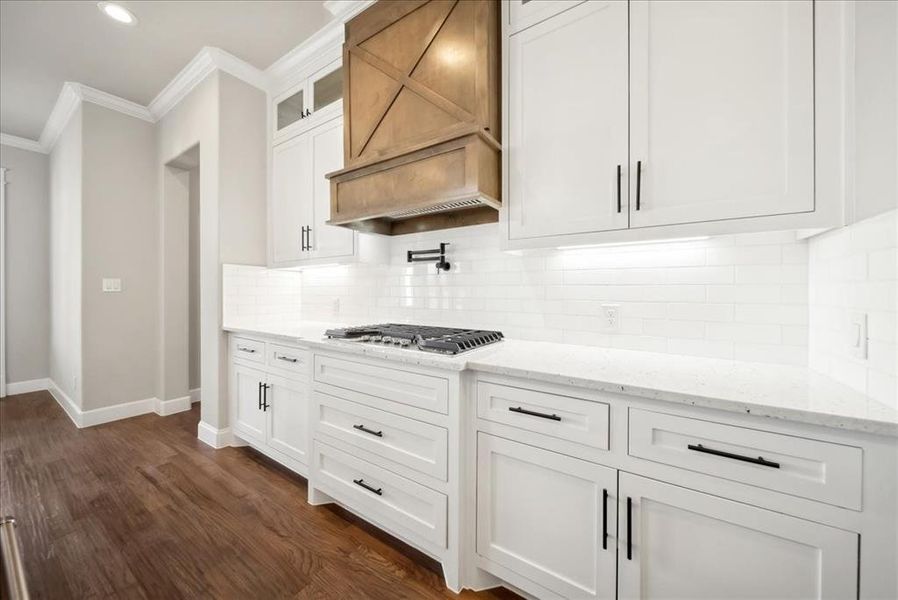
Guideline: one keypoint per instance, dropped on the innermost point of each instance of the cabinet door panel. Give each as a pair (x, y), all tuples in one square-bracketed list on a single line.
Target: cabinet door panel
[(249, 422), (687, 544), (289, 417), (524, 13), (567, 102), (541, 515), (291, 202), (721, 110), (327, 241)]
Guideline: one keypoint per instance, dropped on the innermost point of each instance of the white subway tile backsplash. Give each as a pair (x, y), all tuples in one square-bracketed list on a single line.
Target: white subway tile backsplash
[(261, 295), (673, 296), (853, 269)]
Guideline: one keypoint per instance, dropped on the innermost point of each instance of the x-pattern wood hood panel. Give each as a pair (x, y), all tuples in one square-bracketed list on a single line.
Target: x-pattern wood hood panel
[(421, 117)]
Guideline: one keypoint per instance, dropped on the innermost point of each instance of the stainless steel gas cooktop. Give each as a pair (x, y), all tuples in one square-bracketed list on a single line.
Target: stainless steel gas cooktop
[(444, 340)]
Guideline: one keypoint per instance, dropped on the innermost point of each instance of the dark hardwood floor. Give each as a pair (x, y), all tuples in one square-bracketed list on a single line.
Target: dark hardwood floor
[(142, 509)]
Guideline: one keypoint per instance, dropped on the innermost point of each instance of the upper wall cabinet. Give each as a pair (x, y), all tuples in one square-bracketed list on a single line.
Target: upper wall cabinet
[(313, 100), (642, 120), (300, 199), (567, 166), (721, 110), (524, 13)]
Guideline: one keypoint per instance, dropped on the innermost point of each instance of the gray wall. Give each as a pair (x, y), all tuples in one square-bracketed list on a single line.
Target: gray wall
[(193, 276), (876, 109), (65, 260), (27, 241), (119, 214)]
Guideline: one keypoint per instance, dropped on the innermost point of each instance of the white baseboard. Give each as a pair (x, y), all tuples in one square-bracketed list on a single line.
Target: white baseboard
[(195, 395), (70, 408), (25, 387), (116, 412), (217, 438), (164, 408)]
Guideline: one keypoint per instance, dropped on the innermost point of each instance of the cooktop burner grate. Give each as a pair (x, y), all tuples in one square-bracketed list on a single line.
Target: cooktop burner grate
[(445, 340)]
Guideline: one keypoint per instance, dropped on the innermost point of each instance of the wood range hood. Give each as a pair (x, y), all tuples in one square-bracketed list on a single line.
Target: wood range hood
[(422, 144)]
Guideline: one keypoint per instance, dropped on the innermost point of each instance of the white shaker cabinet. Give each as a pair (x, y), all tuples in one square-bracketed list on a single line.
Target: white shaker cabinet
[(711, 109), (326, 241), (290, 209), (300, 198), (721, 110), (547, 517), (524, 13), (289, 407), (250, 419), (679, 543), (567, 102)]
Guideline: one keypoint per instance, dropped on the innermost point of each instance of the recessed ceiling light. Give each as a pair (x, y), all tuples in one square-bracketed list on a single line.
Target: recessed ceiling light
[(117, 12)]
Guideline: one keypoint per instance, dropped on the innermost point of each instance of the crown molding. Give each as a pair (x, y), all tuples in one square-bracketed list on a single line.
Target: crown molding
[(199, 67), (106, 100), (67, 103), (207, 61), (70, 98), (343, 10), (329, 36), (238, 68), (21, 143)]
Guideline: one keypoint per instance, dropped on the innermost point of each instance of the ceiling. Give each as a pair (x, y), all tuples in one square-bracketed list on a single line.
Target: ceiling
[(43, 44)]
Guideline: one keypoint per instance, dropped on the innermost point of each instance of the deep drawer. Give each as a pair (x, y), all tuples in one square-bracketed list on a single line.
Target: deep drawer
[(294, 360), (381, 495), (414, 389), (822, 471), (417, 445), (566, 417), (247, 349)]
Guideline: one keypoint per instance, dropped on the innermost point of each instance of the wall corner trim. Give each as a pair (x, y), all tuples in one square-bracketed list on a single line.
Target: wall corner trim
[(21, 143), (216, 438)]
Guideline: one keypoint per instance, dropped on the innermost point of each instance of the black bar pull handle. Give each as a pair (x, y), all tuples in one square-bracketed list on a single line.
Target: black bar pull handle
[(265, 404), (309, 238), (260, 395), (638, 184), (749, 459), (604, 519), (618, 188), (361, 483), (366, 430), (629, 528), (524, 411), (302, 238)]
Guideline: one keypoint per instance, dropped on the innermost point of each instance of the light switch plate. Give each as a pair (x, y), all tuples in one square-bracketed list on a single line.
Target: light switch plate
[(857, 334), (112, 284)]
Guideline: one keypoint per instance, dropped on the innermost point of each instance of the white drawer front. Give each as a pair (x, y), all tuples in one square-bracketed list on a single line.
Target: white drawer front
[(414, 389), (288, 358), (814, 469), (574, 419), (418, 445), (247, 349), (381, 495)]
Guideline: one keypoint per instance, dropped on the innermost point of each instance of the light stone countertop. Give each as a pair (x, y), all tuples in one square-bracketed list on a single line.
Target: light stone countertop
[(779, 392)]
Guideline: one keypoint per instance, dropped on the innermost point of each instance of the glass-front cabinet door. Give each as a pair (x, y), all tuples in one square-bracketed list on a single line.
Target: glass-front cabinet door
[(310, 102), (290, 109)]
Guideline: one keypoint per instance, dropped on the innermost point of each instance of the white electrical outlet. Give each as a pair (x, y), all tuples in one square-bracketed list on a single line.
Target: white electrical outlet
[(857, 334), (610, 318), (111, 284)]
